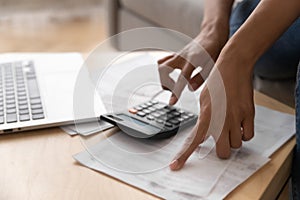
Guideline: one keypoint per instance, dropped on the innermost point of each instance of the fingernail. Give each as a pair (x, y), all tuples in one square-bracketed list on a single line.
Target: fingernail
[(174, 164), (194, 85), (172, 100)]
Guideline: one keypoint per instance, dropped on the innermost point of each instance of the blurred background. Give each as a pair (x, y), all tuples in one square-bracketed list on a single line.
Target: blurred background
[(51, 25), (79, 26)]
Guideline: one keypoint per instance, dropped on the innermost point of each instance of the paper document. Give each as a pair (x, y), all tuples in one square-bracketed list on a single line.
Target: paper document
[(208, 178), (86, 129)]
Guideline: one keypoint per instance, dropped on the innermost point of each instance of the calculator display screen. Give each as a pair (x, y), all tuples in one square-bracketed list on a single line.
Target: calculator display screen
[(138, 122)]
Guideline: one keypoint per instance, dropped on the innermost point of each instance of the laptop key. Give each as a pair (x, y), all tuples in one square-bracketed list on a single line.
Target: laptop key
[(22, 112), (11, 118), (38, 116), (22, 98), (10, 106), (33, 88), (10, 97), (24, 118), (22, 102), (37, 111), (11, 111), (35, 101), (21, 93), (36, 106), (23, 107), (1, 119), (10, 101)]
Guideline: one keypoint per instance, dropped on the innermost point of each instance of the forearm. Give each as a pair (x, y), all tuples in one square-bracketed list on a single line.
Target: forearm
[(215, 26), (265, 25), (217, 13)]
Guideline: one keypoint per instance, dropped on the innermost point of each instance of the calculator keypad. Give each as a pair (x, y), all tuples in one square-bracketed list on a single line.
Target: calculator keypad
[(162, 114)]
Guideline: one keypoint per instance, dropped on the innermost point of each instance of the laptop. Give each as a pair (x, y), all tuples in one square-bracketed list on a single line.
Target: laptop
[(36, 90)]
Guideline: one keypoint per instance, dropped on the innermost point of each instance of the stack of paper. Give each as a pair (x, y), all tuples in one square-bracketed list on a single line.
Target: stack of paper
[(207, 178)]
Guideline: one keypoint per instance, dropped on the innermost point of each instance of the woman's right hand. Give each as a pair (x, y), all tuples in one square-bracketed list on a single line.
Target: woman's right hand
[(202, 51)]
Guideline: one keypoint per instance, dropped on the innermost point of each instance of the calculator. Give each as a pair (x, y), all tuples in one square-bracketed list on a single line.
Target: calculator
[(152, 119)]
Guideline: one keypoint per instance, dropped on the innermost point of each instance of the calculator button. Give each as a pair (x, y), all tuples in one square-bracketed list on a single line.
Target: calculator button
[(167, 124), (174, 121), (176, 113), (144, 106), (180, 111), (156, 114), (170, 109), (159, 106), (159, 121), (149, 104), (133, 111), (163, 117), (160, 113), (141, 114), (138, 108), (151, 109), (154, 102), (147, 111), (180, 119), (191, 115), (170, 115), (150, 117), (185, 117)]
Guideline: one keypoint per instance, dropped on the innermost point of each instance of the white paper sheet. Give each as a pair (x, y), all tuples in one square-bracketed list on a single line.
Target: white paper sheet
[(272, 130), (175, 185), (87, 129)]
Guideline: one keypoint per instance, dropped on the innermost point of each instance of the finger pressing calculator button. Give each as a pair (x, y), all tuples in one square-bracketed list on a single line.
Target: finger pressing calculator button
[(132, 110), (141, 114)]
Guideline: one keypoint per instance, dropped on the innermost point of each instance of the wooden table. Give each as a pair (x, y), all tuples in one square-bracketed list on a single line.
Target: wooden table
[(39, 164)]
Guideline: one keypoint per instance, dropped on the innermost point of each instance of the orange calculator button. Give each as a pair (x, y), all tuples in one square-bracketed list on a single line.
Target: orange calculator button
[(132, 110)]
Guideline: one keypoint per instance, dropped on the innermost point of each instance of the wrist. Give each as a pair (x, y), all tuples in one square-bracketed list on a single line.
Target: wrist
[(213, 37), (237, 57)]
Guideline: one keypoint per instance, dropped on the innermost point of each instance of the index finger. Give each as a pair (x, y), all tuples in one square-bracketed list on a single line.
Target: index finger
[(197, 136)]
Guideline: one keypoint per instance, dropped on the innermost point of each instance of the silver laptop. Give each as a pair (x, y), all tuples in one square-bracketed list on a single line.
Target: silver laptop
[(36, 90)]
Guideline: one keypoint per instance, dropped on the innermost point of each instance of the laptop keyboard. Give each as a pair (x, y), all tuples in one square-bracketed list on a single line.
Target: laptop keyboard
[(19, 93)]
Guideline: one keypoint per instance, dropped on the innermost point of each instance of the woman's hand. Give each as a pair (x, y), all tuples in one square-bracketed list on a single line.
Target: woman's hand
[(202, 51), (228, 86)]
